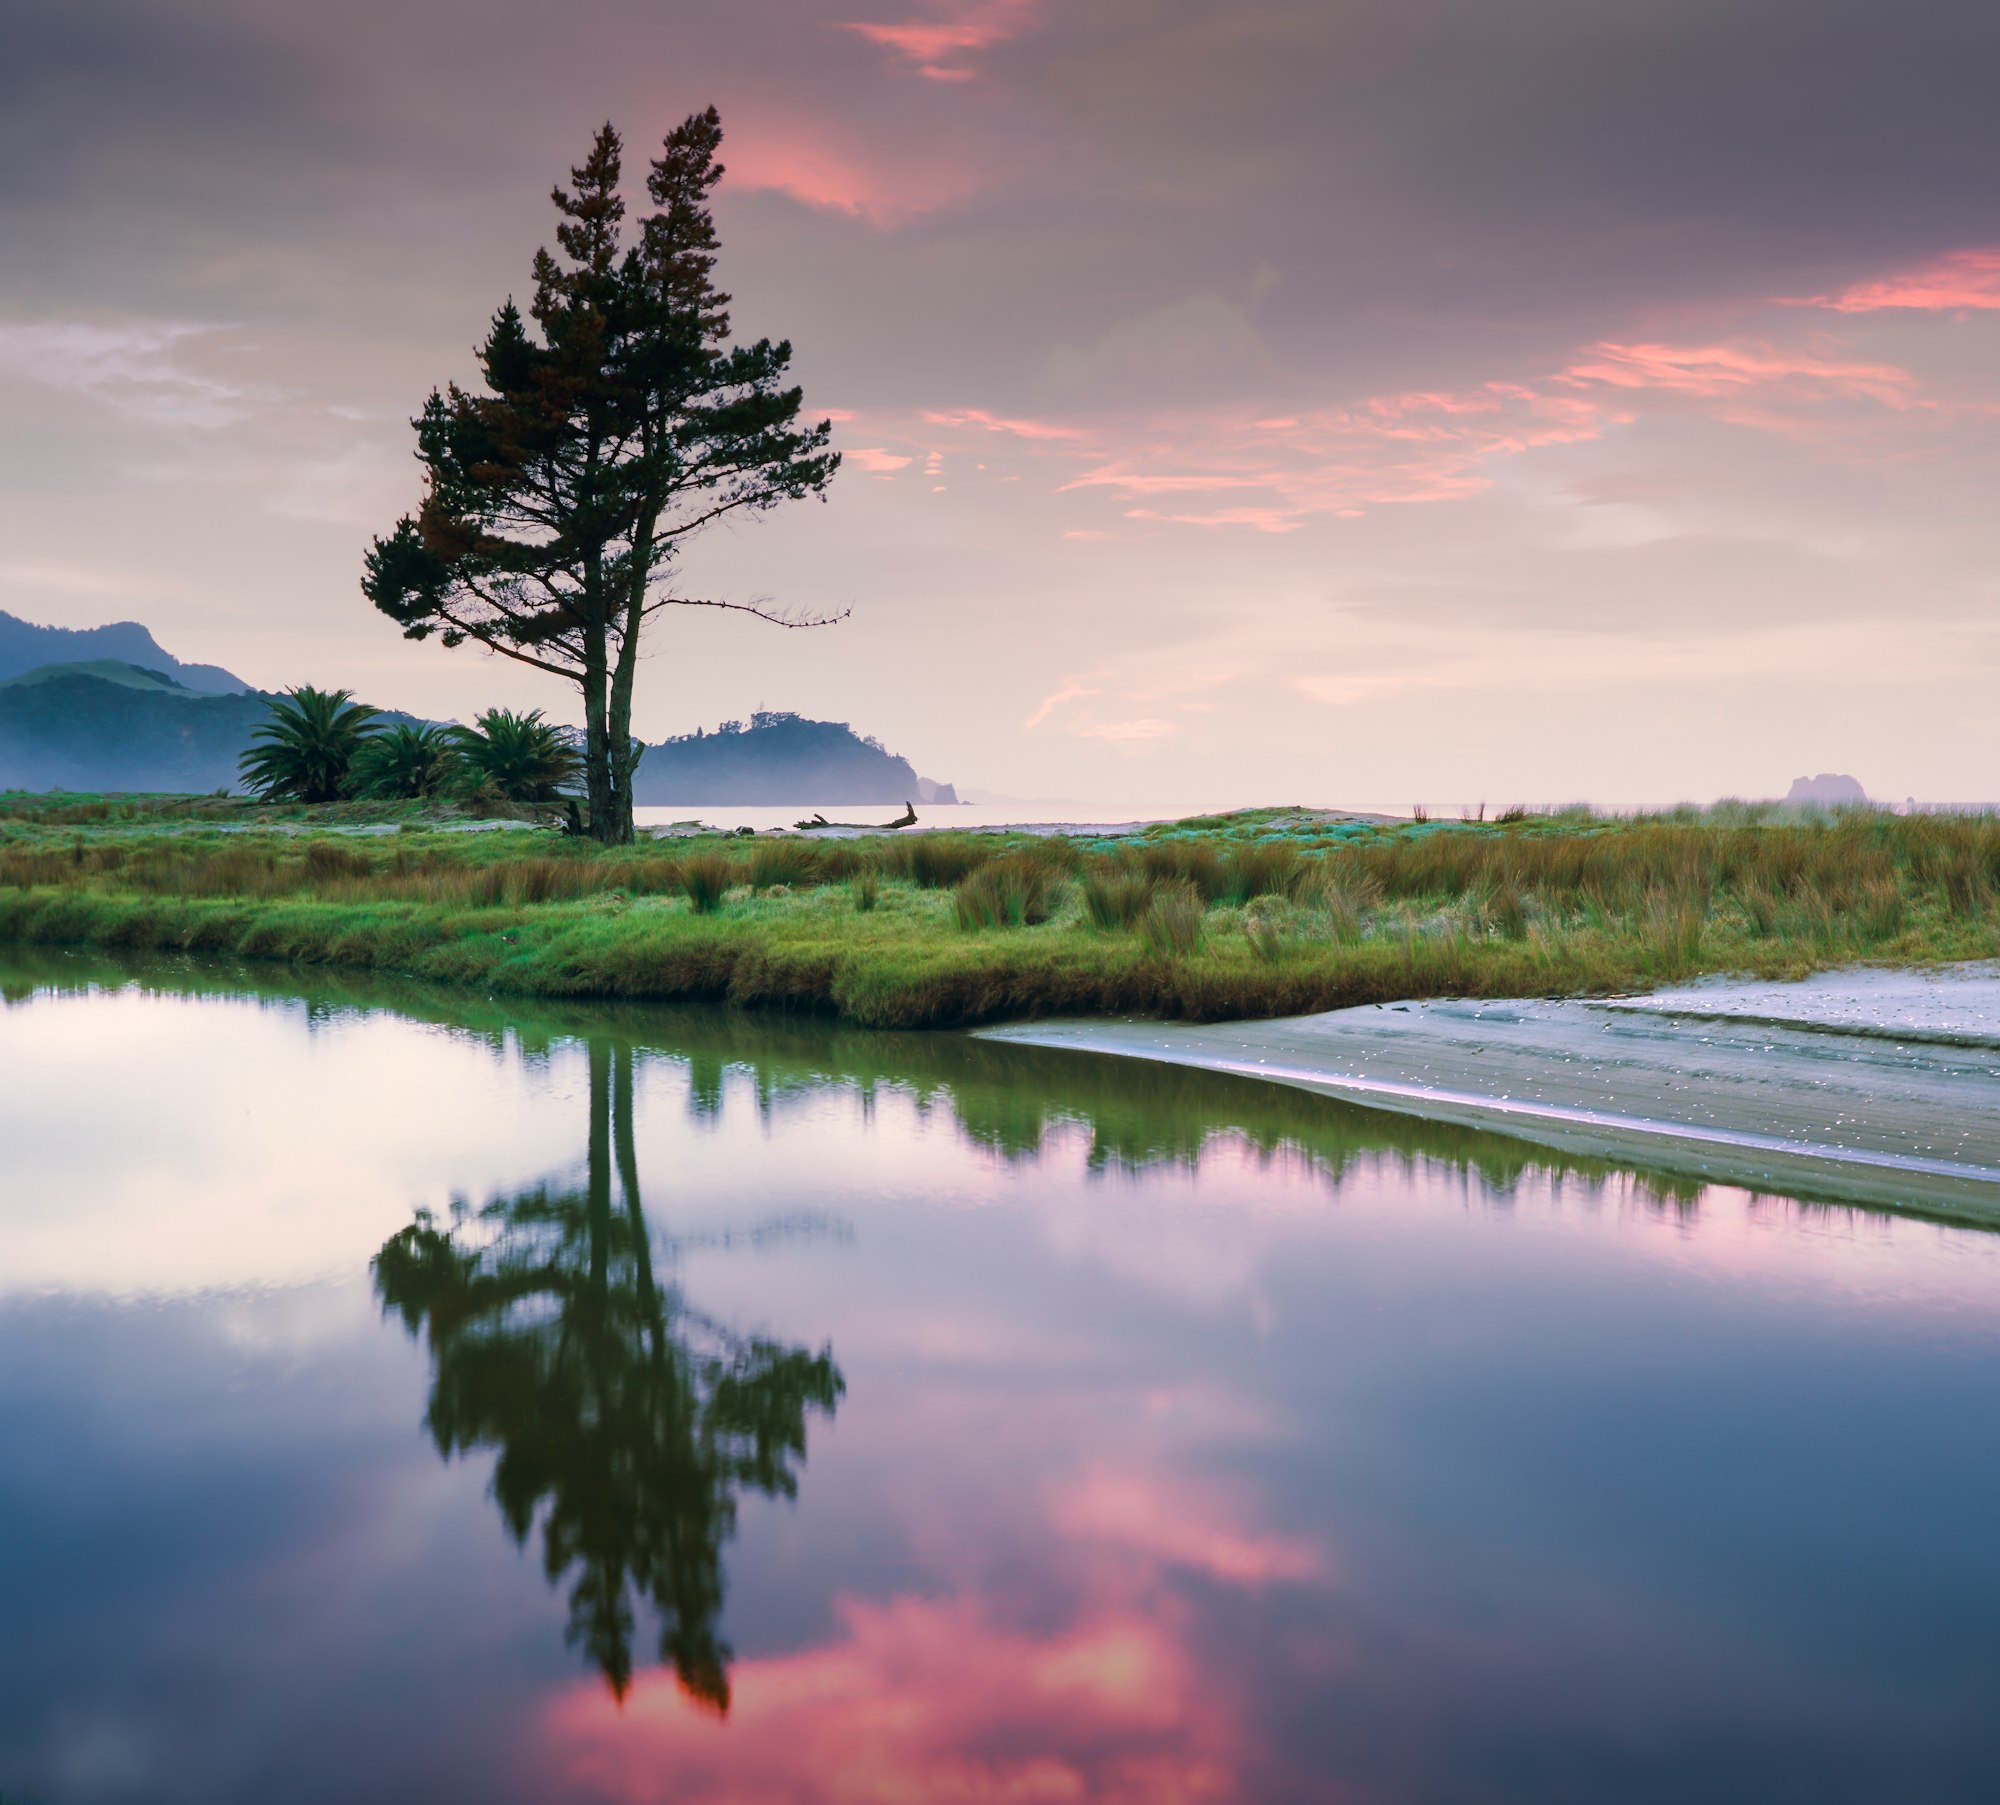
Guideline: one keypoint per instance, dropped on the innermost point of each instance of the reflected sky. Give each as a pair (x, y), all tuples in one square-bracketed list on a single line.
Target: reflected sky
[(1198, 1441)]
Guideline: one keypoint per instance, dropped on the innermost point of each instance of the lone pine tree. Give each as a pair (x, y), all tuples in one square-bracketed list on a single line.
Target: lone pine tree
[(610, 431)]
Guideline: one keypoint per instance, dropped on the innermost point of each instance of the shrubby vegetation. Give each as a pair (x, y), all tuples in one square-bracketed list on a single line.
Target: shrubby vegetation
[(1258, 914), (322, 746)]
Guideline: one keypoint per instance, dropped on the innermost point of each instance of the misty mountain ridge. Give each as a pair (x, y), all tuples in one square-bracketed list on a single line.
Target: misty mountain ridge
[(24, 646), (107, 724), (102, 724)]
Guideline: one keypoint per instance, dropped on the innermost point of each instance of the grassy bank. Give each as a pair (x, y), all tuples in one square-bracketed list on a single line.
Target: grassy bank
[(1271, 912)]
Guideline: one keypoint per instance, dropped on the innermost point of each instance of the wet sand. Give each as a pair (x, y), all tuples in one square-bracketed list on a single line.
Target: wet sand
[(1861, 1086)]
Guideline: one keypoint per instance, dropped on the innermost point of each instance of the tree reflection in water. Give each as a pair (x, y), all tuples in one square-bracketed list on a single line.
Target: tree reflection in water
[(626, 1420)]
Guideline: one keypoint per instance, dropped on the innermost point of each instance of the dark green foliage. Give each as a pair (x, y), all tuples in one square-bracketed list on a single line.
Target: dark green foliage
[(867, 891), (406, 763), (618, 425), (305, 750), (517, 757)]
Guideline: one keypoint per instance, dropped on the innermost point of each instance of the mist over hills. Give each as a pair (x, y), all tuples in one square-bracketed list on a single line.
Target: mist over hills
[(104, 724), (24, 646), (107, 708)]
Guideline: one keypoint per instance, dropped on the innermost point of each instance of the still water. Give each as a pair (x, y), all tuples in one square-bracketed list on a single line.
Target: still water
[(409, 1399)]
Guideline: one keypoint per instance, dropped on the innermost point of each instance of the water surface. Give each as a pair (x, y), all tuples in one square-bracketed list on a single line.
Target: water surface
[(404, 1397)]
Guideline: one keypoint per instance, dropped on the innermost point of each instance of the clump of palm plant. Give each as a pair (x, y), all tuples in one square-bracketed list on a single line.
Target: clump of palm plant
[(511, 757), (305, 751), (405, 763)]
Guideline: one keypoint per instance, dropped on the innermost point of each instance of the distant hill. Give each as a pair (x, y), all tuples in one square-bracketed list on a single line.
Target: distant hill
[(781, 759), (24, 646), (104, 724), (1827, 788)]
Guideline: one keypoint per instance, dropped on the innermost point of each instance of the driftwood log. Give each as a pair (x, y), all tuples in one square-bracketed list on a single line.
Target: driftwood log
[(908, 818)]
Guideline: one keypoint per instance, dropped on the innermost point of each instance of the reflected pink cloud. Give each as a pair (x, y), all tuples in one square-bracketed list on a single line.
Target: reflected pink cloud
[(1175, 1523), (921, 1699), (1963, 282)]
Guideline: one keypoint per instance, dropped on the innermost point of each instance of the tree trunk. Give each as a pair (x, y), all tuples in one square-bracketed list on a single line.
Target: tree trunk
[(632, 610), (596, 740)]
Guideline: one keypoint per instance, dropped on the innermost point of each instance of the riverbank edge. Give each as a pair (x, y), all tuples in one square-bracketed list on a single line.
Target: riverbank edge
[(868, 970), (1937, 1190)]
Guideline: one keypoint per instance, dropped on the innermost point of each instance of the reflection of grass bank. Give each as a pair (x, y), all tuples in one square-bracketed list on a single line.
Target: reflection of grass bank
[(1020, 1103), (1262, 914)]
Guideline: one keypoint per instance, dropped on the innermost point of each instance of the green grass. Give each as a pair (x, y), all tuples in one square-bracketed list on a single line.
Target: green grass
[(1268, 912)]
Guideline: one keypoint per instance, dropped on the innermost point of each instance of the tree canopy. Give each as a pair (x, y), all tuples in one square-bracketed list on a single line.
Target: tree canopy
[(612, 425)]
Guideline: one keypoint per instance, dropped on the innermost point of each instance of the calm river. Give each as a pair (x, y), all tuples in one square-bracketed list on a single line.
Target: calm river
[(413, 1399)]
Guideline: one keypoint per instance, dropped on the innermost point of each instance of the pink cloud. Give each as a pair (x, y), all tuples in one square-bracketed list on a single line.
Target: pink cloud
[(878, 460), (1961, 282), (1260, 520), (1021, 429), (936, 45), (784, 157), (1723, 370), (1382, 450), (1128, 733), (1071, 691)]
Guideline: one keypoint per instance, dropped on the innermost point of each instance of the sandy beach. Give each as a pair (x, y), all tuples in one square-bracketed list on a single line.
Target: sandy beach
[(1865, 1086)]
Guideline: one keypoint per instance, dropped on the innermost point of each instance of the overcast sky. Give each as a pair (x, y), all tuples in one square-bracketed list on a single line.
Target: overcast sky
[(1340, 401)]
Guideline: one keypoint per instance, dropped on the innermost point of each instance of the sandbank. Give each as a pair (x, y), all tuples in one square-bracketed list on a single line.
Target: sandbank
[(1863, 1086)]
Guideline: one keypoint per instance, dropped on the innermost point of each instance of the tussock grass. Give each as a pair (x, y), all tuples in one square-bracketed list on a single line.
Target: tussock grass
[(1241, 916), (705, 879), (1020, 890), (1115, 896), (1174, 922)]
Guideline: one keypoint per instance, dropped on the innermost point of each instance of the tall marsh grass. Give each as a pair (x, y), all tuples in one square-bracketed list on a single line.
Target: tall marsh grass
[(1187, 921)]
